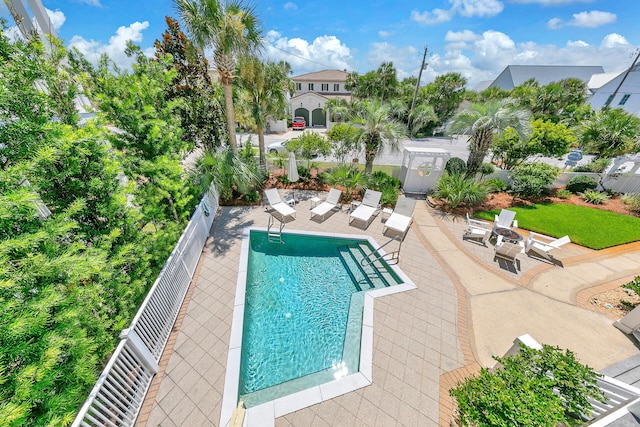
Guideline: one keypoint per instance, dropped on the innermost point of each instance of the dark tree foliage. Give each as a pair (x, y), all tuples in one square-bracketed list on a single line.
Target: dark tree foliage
[(444, 94), (202, 116), (555, 102), (381, 84)]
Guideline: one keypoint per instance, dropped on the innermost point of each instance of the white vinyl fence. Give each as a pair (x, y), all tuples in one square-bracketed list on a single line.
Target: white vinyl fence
[(118, 395)]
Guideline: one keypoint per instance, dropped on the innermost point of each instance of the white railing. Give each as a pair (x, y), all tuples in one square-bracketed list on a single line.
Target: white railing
[(118, 395)]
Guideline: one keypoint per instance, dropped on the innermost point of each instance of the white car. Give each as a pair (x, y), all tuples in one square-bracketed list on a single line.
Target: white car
[(277, 147)]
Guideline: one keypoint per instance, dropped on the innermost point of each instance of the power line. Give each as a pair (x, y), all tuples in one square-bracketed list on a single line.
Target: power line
[(302, 57)]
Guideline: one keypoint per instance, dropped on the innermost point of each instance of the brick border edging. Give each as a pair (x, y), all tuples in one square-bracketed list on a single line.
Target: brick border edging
[(583, 297), (150, 398)]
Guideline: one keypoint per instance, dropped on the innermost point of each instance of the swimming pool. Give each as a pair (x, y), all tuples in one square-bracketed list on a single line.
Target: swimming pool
[(301, 320)]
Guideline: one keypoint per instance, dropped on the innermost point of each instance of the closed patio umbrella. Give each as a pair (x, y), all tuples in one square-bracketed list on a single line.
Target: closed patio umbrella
[(292, 172)]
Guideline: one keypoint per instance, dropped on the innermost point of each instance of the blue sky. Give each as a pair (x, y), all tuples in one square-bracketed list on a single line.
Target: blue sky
[(477, 38)]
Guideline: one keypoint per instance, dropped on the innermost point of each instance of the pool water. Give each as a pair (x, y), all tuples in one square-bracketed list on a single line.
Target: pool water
[(303, 313)]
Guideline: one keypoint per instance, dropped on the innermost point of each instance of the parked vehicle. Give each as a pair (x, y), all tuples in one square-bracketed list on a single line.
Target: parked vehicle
[(298, 123), (277, 147)]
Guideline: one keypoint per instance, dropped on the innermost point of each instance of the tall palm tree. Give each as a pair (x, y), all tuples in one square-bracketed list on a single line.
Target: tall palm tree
[(376, 130), (231, 28), (421, 116), (265, 88), (484, 121)]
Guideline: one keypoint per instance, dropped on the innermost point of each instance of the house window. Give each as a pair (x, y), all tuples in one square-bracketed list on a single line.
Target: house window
[(310, 86), (624, 99), (298, 86), (609, 99), (325, 87), (336, 87)]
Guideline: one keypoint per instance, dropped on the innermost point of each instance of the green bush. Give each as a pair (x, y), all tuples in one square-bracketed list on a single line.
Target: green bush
[(455, 166), (563, 194), (580, 183), (533, 179), (487, 169), (596, 166), (632, 200), (457, 190), (594, 197), (633, 285), (496, 185), (389, 195), (252, 196), (546, 387)]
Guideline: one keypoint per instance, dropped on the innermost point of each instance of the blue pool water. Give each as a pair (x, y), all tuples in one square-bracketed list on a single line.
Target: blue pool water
[(303, 314)]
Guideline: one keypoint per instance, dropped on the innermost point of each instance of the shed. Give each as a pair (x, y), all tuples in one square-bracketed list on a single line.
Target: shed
[(421, 168)]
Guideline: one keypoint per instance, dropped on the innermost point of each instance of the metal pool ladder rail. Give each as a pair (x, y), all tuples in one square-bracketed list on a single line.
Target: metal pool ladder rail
[(392, 256), (273, 235)]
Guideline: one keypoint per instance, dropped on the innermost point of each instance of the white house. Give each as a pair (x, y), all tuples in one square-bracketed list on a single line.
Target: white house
[(515, 75), (313, 90), (620, 90)]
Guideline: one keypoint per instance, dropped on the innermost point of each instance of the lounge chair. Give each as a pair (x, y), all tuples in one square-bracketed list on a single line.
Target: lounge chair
[(401, 217), (505, 220), (477, 230), (333, 198), (368, 209), (540, 245), (276, 204)]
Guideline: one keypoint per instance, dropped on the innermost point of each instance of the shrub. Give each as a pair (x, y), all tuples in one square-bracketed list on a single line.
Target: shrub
[(252, 196), (381, 179), (486, 169), (596, 166), (580, 183), (389, 195), (533, 179), (594, 197), (455, 166), (456, 190), (535, 387), (496, 185), (632, 200), (563, 194), (633, 285)]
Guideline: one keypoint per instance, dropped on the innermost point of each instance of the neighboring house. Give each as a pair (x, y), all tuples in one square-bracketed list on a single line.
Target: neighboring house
[(515, 75), (313, 90), (620, 90)]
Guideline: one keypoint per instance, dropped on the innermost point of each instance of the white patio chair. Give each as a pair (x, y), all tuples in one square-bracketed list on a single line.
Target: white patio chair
[(368, 209), (401, 217), (331, 203), (507, 251), (506, 219), (539, 245), (477, 230), (276, 204)]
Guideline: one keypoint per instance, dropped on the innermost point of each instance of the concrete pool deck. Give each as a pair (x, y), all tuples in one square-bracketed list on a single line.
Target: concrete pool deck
[(466, 308)]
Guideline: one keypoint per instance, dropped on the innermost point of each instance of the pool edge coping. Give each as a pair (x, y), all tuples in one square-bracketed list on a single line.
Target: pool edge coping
[(316, 394)]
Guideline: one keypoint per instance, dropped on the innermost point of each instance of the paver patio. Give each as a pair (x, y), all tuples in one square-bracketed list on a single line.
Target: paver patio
[(424, 339)]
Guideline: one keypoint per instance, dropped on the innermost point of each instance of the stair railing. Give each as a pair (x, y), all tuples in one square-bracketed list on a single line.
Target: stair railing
[(389, 256)]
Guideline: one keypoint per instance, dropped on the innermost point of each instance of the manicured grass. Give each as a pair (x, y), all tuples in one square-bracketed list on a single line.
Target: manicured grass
[(593, 228)]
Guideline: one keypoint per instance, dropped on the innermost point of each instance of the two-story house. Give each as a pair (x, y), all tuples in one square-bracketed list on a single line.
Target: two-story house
[(313, 90)]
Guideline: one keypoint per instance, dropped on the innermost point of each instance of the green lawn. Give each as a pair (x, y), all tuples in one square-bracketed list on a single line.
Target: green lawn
[(593, 228)]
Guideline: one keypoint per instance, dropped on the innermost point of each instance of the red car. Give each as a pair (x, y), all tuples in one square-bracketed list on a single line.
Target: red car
[(298, 123)]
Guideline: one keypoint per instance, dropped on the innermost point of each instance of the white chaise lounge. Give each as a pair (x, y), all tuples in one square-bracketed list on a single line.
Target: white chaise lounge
[(401, 217), (276, 204), (331, 203), (368, 209)]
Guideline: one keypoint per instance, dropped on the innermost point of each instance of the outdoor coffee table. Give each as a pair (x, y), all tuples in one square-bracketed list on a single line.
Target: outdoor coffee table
[(508, 235)]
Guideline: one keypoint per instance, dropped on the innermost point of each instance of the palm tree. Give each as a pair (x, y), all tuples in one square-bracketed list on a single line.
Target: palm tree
[(421, 116), (484, 121), (232, 29), (338, 109), (611, 133), (376, 130), (265, 88)]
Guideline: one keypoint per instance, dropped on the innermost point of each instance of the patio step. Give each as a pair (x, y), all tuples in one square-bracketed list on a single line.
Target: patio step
[(353, 267), (377, 268)]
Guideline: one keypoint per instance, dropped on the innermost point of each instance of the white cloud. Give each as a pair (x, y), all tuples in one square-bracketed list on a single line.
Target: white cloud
[(550, 2), (465, 8), (384, 34), (92, 49), (460, 36), (405, 59), (614, 40), (323, 52), (57, 18), (91, 2), (592, 19), (290, 6)]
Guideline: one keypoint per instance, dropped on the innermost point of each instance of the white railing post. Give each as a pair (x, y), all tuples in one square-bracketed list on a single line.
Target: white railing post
[(136, 344)]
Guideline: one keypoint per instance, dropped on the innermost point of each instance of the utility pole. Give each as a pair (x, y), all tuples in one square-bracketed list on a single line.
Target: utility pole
[(615, 92), (422, 67)]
